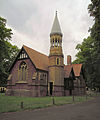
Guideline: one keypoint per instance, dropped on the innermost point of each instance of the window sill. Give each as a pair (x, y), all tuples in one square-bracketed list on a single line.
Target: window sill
[(21, 82)]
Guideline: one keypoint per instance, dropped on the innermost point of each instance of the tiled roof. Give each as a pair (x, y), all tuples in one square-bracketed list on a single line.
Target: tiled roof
[(76, 68), (40, 60), (67, 70)]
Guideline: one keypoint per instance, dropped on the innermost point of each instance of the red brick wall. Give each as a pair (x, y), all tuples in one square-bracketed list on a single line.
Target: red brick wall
[(31, 69), (58, 90), (21, 89), (32, 88)]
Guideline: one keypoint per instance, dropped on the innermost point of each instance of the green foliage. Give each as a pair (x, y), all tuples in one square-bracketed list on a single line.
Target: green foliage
[(8, 57), (94, 10), (5, 33), (12, 53), (7, 51), (85, 50), (89, 50), (84, 56)]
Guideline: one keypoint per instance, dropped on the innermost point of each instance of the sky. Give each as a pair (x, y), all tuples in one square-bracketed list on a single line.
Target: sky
[(31, 22)]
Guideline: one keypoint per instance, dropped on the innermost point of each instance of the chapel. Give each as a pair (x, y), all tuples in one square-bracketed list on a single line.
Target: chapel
[(34, 74)]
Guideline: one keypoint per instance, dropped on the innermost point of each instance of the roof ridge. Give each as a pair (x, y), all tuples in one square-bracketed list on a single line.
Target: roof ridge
[(77, 64), (35, 50)]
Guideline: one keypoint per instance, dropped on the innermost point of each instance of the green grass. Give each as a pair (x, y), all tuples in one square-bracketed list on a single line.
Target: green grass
[(13, 103)]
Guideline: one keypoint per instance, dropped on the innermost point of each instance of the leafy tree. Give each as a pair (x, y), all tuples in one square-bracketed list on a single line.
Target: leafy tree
[(94, 10), (85, 51), (89, 50), (5, 35), (7, 51), (84, 56), (12, 53)]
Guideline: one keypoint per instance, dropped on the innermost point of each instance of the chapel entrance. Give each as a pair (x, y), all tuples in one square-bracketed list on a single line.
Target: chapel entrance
[(51, 87)]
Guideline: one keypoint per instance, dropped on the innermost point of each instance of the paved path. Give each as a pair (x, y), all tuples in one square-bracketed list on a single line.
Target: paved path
[(82, 111)]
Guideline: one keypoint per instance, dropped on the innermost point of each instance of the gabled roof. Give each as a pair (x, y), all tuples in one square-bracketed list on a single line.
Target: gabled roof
[(40, 60), (76, 68), (56, 26)]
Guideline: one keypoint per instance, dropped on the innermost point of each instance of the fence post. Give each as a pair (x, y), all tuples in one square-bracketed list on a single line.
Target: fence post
[(53, 100), (73, 96), (86, 96), (96, 93), (22, 105)]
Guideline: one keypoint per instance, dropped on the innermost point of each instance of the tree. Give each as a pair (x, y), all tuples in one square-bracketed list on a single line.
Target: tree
[(84, 56), (89, 50), (94, 10), (10, 56), (5, 35), (85, 51), (7, 51), (12, 53)]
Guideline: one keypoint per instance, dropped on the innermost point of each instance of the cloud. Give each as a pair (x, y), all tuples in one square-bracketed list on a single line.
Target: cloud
[(21, 39), (31, 21)]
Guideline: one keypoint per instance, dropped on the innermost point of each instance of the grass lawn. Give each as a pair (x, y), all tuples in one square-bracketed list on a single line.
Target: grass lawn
[(13, 103)]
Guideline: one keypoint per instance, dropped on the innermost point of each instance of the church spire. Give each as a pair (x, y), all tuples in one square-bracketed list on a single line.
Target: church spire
[(56, 26), (56, 38), (56, 59)]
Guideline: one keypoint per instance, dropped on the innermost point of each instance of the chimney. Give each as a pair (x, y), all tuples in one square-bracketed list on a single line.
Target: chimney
[(68, 60)]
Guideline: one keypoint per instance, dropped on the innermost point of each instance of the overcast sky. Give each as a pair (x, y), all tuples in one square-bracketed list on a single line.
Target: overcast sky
[(31, 22)]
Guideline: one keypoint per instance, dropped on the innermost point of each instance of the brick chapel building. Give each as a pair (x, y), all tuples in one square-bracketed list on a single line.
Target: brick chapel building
[(34, 74)]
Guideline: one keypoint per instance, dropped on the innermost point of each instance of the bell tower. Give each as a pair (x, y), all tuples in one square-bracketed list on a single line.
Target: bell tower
[(56, 60)]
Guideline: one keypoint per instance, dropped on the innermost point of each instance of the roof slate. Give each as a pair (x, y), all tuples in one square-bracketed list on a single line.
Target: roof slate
[(77, 69), (40, 60)]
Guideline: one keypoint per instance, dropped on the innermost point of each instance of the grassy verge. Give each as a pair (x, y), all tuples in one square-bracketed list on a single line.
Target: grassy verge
[(13, 103)]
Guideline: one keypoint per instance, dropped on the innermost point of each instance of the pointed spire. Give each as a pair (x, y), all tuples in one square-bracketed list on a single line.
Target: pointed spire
[(56, 26)]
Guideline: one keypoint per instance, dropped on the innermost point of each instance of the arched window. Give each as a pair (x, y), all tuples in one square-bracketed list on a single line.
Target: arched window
[(55, 42), (57, 61), (22, 71)]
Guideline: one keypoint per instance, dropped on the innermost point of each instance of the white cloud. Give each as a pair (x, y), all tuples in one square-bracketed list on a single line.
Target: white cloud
[(31, 21)]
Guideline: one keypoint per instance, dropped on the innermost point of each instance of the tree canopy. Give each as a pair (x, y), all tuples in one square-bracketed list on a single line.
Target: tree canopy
[(7, 51), (89, 51)]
